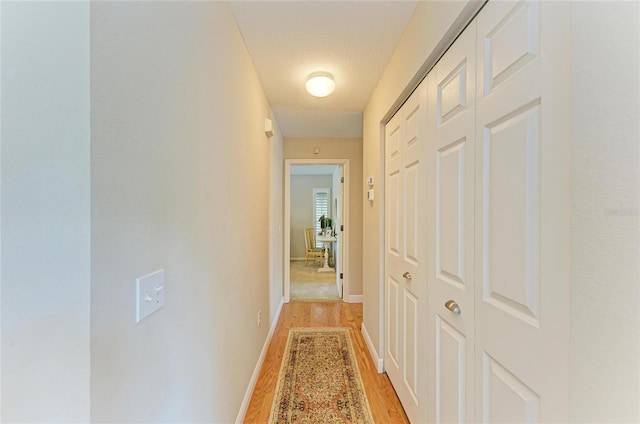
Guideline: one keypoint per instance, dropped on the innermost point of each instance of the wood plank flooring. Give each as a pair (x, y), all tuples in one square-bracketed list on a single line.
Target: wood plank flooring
[(385, 406)]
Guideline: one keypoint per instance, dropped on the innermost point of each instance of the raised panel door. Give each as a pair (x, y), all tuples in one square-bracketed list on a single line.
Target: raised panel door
[(405, 342), (522, 222), (450, 229)]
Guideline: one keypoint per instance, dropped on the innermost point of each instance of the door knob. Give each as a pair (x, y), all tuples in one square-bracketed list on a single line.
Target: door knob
[(452, 306), (407, 275)]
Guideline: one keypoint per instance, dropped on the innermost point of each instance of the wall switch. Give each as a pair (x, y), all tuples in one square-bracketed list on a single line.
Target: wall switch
[(370, 194), (370, 181), (149, 294)]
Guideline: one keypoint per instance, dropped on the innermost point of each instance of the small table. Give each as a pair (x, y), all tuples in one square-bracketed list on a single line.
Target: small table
[(326, 240)]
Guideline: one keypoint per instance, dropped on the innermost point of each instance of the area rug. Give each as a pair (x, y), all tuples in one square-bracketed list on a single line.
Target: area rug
[(319, 380)]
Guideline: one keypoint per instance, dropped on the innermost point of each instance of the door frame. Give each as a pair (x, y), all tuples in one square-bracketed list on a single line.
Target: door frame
[(287, 222)]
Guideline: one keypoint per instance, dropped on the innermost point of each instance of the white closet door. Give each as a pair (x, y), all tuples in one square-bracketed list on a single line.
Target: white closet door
[(522, 212), (450, 229), (405, 282)]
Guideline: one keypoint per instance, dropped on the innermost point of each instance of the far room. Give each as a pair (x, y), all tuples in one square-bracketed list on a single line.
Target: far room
[(316, 212)]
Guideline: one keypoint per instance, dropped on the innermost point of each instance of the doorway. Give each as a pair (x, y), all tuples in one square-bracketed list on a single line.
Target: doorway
[(315, 189)]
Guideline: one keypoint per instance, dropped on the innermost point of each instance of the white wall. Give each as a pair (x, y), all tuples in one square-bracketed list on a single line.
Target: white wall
[(432, 26), (181, 180), (301, 209), (605, 284), (45, 212)]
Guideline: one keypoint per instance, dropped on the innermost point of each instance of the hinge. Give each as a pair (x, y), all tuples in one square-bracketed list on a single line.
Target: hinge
[(342, 179), (341, 276), (341, 227)]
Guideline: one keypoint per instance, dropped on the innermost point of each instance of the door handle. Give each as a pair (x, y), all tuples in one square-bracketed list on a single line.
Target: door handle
[(452, 306), (407, 275)]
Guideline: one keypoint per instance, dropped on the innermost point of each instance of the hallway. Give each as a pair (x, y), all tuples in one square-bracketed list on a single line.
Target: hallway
[(383, 401), (157, 138)]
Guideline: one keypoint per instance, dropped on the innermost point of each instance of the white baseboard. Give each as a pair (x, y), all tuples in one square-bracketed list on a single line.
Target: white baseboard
[(355, 298), (372, 350), (258, 367), (297, 259)]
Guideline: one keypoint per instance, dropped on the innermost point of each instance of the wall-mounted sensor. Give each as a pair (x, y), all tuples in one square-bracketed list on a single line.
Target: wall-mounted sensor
[(370, 194), (268, 127), (370, 181)]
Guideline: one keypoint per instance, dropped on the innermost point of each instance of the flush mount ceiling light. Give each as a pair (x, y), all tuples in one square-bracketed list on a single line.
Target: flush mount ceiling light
[(320, 84)]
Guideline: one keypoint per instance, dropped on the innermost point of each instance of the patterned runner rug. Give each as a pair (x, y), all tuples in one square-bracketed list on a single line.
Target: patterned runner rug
[(319, 380)]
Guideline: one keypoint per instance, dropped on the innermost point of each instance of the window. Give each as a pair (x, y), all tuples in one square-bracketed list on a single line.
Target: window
[(320, 207)]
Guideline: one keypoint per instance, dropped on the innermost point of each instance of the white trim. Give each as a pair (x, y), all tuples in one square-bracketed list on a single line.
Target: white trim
[(286, 275), (379, 363), (297, 259), (258, 367), (382, 292), (287, 221), (338, 201), (355, 298)]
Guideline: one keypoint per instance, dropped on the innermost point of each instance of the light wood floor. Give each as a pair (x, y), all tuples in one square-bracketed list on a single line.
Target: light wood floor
[(309, 284), (385, 406)]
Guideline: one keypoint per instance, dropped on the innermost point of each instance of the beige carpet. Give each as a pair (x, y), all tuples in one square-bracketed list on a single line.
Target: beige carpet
[(319, 380), (309, 284)]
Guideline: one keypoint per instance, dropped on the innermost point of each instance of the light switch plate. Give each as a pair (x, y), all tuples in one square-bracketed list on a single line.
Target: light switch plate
[(370, 194), (149, 294)]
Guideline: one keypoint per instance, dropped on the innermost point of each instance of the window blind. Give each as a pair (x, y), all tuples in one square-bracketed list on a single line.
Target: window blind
[(320, 207)]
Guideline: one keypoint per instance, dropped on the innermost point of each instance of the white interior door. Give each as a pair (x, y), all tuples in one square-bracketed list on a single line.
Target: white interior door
[(522, 221), (405, 255), (450, 229)]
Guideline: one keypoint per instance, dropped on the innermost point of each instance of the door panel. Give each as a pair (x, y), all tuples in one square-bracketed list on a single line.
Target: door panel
[(450, 164), (510, 163), (450, 378), (452, 93), (393, 213), (522, 203), (411, 213), (506, 398), (510, 42), (405, 255), (411, 345), (393, 330), (392, 139), (450, 207), (411, 123)]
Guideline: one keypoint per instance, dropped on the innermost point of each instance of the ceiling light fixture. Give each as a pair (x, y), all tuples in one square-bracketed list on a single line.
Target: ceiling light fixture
[(320, 84)]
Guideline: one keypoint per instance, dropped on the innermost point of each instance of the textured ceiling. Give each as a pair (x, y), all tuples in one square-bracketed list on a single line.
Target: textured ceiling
[(353, 40)]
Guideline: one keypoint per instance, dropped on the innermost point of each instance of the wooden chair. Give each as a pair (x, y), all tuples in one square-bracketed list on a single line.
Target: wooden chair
[(312, 252)]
